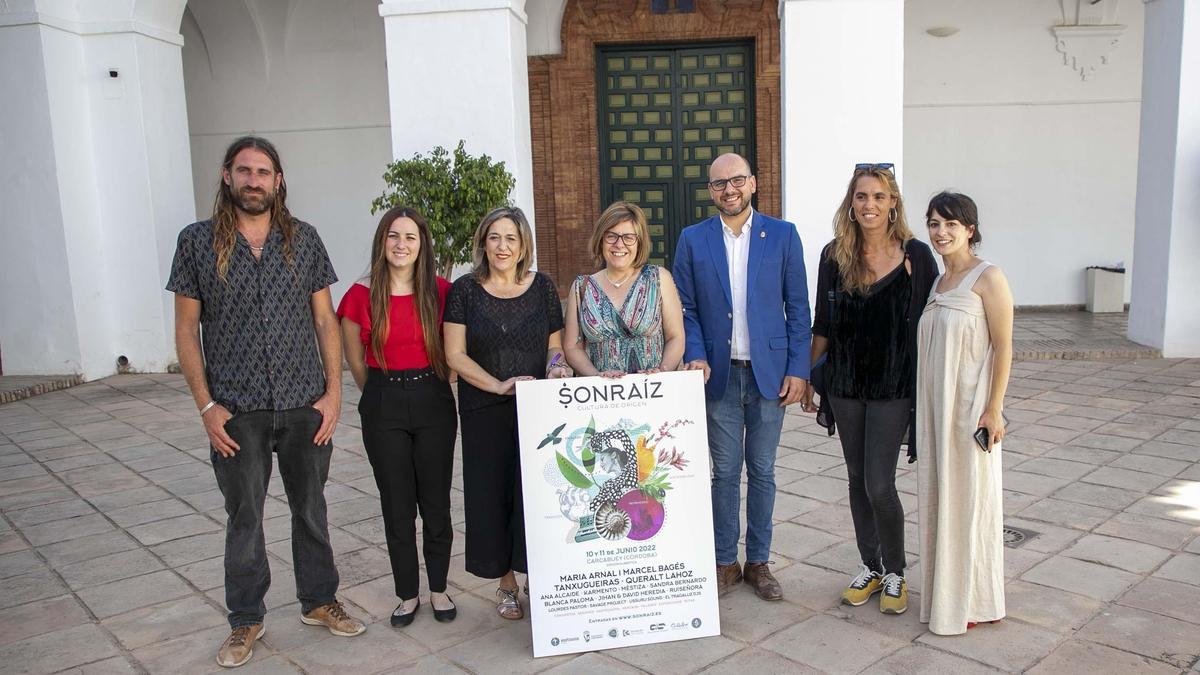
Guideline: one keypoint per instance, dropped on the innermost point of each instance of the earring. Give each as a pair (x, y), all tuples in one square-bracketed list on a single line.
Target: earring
[(893, 214), (850, 212)]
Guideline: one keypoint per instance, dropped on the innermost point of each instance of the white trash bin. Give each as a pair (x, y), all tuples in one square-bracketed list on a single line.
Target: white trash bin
[(1105, 289)]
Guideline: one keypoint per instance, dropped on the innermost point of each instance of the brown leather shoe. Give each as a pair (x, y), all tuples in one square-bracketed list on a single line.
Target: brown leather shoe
[(765, 585), (728, 576), (239, 646), (334, 617)]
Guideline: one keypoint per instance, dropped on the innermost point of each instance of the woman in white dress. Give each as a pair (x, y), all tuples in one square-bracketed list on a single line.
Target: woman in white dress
[(964, 356)]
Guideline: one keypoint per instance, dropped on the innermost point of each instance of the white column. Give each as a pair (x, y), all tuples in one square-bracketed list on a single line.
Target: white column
[(457, 69), (1163, 311), (843, 103), (96, 183)]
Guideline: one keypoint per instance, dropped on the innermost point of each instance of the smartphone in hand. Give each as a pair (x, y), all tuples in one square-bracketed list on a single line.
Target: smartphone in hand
[(981, 439)]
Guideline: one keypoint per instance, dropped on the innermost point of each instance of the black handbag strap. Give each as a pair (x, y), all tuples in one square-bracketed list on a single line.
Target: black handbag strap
[(912, 281), (832, 292)]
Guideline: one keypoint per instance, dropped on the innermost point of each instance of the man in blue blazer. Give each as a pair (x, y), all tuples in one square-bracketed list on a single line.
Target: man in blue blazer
[(744, 290)]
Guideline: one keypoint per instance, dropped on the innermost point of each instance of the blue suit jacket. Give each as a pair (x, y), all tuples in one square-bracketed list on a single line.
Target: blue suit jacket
[(776, 302)]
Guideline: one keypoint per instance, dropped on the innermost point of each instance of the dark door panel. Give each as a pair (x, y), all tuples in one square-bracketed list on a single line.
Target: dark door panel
[(665, 113)]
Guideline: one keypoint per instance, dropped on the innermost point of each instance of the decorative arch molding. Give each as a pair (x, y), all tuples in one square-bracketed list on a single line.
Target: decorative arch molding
[(563, 116), (164, 14), (195, 41), (157, 19), (232, 36)]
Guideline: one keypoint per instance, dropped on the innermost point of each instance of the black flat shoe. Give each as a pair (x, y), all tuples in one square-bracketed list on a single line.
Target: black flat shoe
[(445, 615), (399, 619)]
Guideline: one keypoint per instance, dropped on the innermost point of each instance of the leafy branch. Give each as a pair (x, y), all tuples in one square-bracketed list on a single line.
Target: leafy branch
[(452, 192)]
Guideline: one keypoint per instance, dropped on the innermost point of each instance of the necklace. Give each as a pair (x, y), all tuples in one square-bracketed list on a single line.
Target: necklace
[(618, 284), (257, 249)]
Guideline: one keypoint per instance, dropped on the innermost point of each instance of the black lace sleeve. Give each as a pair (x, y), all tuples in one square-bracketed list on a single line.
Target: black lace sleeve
[(554, 307), (456, 301)]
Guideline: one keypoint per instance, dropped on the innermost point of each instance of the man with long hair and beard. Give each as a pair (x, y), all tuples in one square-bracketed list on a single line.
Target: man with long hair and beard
[(266, 381)]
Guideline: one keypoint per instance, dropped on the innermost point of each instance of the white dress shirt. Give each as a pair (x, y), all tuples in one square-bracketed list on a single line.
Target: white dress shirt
[(737, 253)]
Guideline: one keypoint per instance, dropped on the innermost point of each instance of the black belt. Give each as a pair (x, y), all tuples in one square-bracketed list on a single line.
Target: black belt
[(739, 363), (401, 377)]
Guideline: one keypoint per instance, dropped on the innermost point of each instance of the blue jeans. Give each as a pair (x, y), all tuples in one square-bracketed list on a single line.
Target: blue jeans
[(243, 481), (743, 427)]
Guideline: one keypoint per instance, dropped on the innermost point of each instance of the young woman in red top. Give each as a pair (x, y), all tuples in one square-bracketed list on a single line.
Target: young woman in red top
[(391, 328)]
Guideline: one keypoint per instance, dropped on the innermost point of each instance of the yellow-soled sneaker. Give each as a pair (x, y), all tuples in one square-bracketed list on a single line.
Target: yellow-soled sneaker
[(862, 587), (895, 595)]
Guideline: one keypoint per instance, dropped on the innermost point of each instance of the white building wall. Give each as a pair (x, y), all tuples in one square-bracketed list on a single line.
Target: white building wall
[(311, 77), (992, 111), (95, 167), (138, 128), (1051, 159), (168, 167), (1163, 312), (545, 26), (38, 336), (842, 104), (72, 145), (465, 63), (81, 255)]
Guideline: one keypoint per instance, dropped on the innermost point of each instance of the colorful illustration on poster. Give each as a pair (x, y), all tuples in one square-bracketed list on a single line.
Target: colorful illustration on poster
[(613, 483)]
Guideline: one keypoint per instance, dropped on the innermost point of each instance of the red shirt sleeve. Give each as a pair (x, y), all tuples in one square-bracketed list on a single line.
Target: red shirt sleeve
[(356, 305)]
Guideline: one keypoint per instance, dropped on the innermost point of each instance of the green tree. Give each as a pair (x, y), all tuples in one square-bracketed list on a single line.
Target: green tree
[(453, 193)]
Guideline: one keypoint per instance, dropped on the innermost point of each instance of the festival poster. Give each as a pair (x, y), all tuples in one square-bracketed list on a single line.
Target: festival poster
[(618, 515)]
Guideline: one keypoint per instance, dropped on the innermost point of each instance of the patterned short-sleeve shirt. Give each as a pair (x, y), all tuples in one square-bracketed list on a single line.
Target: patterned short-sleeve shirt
[(260, 346)]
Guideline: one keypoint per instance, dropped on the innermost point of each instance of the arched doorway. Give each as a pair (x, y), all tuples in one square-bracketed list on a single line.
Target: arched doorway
[(310, 76), (574, 144)]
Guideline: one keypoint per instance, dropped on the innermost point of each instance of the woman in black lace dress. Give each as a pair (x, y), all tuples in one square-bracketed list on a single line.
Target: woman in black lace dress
[(503, 323)]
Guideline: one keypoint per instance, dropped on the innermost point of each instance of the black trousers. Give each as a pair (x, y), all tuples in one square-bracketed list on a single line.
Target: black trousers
[(304, 467), (408, 428), (492, 491), (871, 433)]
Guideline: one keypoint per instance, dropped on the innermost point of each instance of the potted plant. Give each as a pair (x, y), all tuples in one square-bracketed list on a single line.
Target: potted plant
[(452, 192)]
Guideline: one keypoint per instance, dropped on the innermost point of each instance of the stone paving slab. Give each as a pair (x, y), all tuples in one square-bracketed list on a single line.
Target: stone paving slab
[(1039, 334), (17, 387), (111, 543)]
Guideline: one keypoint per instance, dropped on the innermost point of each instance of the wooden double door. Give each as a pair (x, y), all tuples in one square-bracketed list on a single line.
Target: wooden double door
[(665, 113)]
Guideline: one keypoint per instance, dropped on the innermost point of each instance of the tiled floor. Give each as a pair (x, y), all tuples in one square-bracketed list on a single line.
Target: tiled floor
[(1074, 335), (111, 543), (17, 387)]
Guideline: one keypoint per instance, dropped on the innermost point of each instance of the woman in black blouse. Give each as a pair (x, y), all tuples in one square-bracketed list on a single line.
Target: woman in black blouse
[(871, 288), (503, 323)]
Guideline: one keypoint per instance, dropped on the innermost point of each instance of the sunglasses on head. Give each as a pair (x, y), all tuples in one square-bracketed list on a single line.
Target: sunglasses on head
[(885, 166)]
